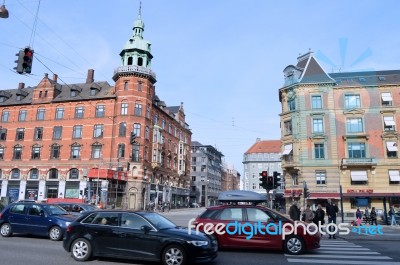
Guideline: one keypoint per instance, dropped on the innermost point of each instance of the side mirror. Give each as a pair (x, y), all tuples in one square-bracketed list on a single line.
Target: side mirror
[(145, 228)]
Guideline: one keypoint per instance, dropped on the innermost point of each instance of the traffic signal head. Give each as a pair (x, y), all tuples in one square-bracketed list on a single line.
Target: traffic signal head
[(20, 61), (270, 182), (277, 178), (264, 179), (27, 64), (306, 192)]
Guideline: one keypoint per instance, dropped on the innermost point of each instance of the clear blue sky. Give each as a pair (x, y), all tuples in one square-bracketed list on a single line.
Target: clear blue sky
[(224, 59)]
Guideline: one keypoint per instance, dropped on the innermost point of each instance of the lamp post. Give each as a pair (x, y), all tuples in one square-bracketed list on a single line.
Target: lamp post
[(3, 10)]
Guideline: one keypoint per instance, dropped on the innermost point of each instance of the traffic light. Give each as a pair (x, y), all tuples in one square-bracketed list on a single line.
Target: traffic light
[(270, 182), (306, 192), (81, 192), (277, 178), (28, 57), (132, 138), (86, 192), (264, 179), (20, 61)]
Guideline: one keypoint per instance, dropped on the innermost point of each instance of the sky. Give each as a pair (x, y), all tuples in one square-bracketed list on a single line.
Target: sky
[(223, 59)]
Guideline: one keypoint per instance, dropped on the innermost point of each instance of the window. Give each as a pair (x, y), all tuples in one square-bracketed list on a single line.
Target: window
[(352, 101), (38, 133), (156, 120), (57, 132), (77, 132), (75, 151), (135, 153), (139, 86), (121, 150), (138, 109), (74, 173), (3, 134), (55, 151), (147, 133), (318, 125), (59, 113), (291, 104), (124, 108), (136, 129), (17, 152), (126, 85), (356, 150), (22, 115), (15, 173), (319, 151), (394, 177), (122, 129), (320, 177), (359, 177), (53, 173), (79, 112), (288, 127), (231, 214), (354, 125), (148, 112), (98, 131), (5, 116), (35, 152), (100, 110), (96, 151), (389, 124), (3, 99), (93, 91), (74, 93), (386, 99), (20, 134), (1, 153), (40, 114), (316, 102), (34, 173), (257, 215), (391, 149)]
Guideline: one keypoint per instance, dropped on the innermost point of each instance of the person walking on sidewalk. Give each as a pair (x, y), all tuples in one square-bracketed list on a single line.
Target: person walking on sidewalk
[(308, 215), (392, 216), (358, 216), (373, 216), (331, 211), (294, 212)]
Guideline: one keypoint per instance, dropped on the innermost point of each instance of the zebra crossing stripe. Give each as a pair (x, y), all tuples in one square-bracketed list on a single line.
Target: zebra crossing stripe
[(351, 262), (352, 256)]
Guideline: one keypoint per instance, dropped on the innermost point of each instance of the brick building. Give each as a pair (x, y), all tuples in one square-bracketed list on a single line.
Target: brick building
[(339, 130), (115, 144)]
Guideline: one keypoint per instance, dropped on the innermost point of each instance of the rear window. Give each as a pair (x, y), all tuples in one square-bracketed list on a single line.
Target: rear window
[(18, 208)]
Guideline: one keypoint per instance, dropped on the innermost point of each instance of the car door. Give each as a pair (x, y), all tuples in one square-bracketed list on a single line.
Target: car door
[(104, 232), (233, 218), (266, 234), (17, 218), (134, 242), (36, 221)]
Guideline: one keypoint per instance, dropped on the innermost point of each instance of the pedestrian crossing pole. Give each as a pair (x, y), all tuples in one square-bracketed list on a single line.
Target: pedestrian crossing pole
[(341, 202)]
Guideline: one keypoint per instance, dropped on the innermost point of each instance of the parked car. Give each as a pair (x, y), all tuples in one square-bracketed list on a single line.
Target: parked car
[(76, 208), (35, 218), (194, 205), (135, 235), (250, 213)]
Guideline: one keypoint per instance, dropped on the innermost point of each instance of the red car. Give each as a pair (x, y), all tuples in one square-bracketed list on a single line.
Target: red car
[(252, 226)]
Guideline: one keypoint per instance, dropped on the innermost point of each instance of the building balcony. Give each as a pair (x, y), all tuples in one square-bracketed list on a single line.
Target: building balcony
[(134, 69), (358, 162)]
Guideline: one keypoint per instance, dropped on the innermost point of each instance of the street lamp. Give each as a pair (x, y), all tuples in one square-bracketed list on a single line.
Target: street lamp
[(3, 11)]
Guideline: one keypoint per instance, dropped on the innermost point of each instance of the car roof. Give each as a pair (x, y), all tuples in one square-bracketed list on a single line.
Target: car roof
[(241, 196)]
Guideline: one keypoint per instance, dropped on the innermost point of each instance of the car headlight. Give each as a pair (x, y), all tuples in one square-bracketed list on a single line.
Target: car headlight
[(198, 243)]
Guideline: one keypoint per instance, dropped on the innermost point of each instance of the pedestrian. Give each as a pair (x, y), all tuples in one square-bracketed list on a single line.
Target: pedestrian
[(308, 215), (366, 213), (392, 216), (319, 218), (294, 212), (373, 216), (359, 216), (331, 211)]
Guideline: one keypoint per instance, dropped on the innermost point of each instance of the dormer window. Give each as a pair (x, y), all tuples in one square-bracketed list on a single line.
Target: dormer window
[(19, 97), (93, 91), (2, 99), (74, 93), (75, 90)]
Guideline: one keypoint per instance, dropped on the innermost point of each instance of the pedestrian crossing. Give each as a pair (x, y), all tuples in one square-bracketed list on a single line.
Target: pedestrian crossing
[(341, 252)]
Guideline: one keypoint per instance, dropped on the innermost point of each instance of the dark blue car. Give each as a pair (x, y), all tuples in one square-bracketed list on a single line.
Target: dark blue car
[(36, 219)]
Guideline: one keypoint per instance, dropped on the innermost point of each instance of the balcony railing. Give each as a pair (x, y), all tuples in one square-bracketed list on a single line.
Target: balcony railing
[(135, 68), (358, 162)]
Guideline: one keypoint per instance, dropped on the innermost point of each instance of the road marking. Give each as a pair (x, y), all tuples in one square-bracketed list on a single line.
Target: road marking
[(352, 256), (341, 252), (344, 262)]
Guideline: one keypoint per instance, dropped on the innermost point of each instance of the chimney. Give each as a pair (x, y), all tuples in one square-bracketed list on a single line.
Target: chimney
[(258, 140), (90, 76), (55, 77), (21, 85), (46, 75)]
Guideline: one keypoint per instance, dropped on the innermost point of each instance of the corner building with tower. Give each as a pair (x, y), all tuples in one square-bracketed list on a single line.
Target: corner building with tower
[(112, 145)]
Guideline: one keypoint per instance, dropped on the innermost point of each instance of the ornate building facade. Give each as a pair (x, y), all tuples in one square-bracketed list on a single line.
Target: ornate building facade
[(119, 145)]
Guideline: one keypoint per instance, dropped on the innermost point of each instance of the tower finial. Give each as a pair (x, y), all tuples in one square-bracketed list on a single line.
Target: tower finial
[(140, 8)]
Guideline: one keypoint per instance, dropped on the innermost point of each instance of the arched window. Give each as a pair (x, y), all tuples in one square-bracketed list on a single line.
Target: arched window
[(130, 60), (53, 173), (15, 173), (74, 173), (34, 173), (140, 61)]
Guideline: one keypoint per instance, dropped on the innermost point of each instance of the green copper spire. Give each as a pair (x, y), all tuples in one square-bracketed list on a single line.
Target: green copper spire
[(137, 51)]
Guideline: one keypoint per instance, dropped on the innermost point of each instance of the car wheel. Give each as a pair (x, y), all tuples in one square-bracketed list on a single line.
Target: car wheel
[(6, 230), (81, 250), (174, 255), (55, 233), (294, 245)]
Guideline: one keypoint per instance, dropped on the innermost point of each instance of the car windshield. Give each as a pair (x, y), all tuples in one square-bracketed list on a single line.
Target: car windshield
[(54, 210), (159, 222)]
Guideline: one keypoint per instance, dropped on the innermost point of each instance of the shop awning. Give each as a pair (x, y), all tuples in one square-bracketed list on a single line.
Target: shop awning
[(324, 195), (95, 173), (394, 175), (389, 121), (359, 176), (391, 146), (288, 149), (386, 97)]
